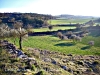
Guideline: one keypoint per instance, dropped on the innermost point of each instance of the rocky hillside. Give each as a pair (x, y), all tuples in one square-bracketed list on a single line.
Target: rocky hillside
[(32, 61)]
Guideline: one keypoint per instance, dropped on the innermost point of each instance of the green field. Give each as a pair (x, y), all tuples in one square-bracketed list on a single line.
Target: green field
[(54, 29), (55, 44), (67, 21)]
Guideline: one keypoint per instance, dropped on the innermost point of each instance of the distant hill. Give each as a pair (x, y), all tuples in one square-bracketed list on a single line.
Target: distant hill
[(66, 16), (97, 20), (34, 19)]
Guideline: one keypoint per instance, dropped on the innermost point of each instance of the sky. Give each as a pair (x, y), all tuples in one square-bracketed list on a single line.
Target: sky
[(52, 7)]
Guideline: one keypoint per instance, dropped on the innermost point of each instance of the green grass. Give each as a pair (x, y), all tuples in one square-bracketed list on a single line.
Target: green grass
[(67, 21), (55, 44), (90, 38), (54, 29)]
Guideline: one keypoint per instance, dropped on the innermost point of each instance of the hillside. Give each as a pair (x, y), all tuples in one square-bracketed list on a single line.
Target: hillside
[(61, 47), (32, 61), (33, 19), (65, 16)]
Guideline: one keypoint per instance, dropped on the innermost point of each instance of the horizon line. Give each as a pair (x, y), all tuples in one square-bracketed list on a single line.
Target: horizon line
[(51, 14)]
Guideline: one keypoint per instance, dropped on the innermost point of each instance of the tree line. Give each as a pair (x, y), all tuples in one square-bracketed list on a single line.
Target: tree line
[(35, 20)]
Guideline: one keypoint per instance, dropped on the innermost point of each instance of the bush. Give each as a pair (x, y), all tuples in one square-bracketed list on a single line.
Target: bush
[(91, 43), (50, 27), (65, 37), (60, 35), (77, 38)]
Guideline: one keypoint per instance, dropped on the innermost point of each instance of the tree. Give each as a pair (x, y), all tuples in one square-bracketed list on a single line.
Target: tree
[(29, 28), (78, 26), (50, 27), (91, 43), (45, 23), (14, 34), (73, 36), (60, 35), (12, 20), (91, 23), (0, 21), (69, 33), (77, 38), (20, 32), (4, 31)]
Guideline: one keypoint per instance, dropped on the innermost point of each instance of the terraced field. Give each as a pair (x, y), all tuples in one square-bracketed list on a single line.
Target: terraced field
[(64, 46), (54, 29), (68, 21)]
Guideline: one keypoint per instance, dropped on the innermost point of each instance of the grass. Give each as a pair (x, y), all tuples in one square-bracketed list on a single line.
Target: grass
[(54, 29), (90, 38), (55, 44), (67, 21)]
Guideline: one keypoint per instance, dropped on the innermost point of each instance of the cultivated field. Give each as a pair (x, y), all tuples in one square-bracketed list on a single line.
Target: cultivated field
[(65, 46), (54, 29), (53, 43), (68, 21)]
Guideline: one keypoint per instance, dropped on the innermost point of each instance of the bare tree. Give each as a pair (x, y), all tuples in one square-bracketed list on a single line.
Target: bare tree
[(29, 28), (20, 32), (77, 38), (73, 36), (65, 37), (14, 34), (60, 35), (4, 31)]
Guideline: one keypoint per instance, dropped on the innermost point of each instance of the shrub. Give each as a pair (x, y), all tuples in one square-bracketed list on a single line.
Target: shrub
[(91, 43), (77, 38), (65, 38), (60, 35), (50, 27), (73, 36)]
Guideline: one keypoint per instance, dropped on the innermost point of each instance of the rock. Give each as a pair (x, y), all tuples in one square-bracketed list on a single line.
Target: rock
[(19, 53), (89, 70), (70, 70), (80, 63), (71, 63), (69, 55), (40, 73), (31, 58), (53, 62), (47, 59), (22, 56), (64, 67)]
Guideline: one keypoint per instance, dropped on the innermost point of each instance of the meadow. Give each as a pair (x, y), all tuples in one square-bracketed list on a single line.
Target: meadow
[(53, 43), (54, 29), (68, 21)]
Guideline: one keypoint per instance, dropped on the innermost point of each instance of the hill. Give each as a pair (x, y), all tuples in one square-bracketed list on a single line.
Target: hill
[(34, 19), (32, 61), (66, 16)]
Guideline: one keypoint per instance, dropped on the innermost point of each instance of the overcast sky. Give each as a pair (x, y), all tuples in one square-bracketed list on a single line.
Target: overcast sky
[(53, 7)]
